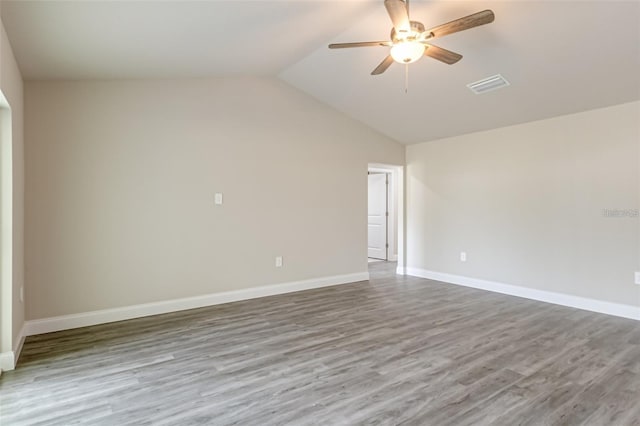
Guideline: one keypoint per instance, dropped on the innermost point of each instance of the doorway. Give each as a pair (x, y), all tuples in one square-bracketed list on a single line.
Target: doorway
[(378, 216), (385, 217)]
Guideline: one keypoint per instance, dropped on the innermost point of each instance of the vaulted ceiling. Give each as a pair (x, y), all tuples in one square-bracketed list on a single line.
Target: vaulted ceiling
[(559, 56)]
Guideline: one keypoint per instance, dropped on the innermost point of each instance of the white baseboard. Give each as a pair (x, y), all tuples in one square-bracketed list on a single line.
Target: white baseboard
[(594, 305), (401, 270), (66, 322), (9, 359), (17, 346)]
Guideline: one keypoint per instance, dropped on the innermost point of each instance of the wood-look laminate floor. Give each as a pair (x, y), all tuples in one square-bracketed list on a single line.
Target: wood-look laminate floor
[(395, 350)]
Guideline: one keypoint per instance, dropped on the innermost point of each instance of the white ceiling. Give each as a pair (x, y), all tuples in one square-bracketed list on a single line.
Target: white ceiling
[(560, 56), (82, 39)]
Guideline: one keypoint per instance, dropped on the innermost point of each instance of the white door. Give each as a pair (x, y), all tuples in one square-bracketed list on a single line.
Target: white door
[(378, 216)]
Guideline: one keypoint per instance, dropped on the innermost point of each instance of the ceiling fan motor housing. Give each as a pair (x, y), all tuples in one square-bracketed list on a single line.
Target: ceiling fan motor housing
[(417, 28)]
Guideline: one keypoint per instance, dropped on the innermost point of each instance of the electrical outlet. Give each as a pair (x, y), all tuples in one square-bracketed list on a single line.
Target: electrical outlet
[(637, 277), (463, 256), (279, 262), (217, 198), (22, 294)]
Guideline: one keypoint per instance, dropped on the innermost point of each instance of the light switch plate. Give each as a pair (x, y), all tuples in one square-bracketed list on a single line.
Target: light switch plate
[(218, 198), (463, 256), (279, 262), (637, 277)]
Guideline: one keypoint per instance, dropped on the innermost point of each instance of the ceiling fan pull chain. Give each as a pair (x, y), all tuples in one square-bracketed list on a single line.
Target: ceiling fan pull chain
[(406, 78)]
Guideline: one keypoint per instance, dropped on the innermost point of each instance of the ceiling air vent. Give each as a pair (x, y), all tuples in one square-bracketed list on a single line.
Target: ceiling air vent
[(488, 84)]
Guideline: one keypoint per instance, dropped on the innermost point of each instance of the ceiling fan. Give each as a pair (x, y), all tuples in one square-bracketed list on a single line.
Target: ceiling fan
[(409, 40)]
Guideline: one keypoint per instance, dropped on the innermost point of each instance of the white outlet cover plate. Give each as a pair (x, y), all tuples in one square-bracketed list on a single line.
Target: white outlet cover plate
[(218, 198), (637, 277), (278, 261)]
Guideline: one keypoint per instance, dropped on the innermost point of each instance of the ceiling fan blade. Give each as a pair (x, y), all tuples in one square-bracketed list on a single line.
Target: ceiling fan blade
[(386, 63), (397, 10), (443, 55), (359, 44), (471, 21)]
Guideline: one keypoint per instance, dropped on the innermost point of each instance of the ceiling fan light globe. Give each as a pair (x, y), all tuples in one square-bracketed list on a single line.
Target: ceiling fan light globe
[(407, 52)]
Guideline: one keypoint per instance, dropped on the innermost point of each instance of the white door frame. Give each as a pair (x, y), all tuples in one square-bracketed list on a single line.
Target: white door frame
[(396, 211), (6, 237)]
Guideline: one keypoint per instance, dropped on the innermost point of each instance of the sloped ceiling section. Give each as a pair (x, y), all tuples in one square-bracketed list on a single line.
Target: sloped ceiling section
[(560, 57)]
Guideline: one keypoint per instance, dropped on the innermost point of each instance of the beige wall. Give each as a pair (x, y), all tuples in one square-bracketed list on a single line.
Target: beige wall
[(11, 86), (121, 177), (526, 204)]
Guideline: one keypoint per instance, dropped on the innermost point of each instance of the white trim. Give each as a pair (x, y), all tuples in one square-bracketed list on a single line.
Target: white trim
[(401, 270), (17, 348), (594, 305), (65, 322), (7, 361), (6, 233)]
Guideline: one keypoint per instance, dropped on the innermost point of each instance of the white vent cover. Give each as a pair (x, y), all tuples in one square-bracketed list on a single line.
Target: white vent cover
[(488, 84)]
